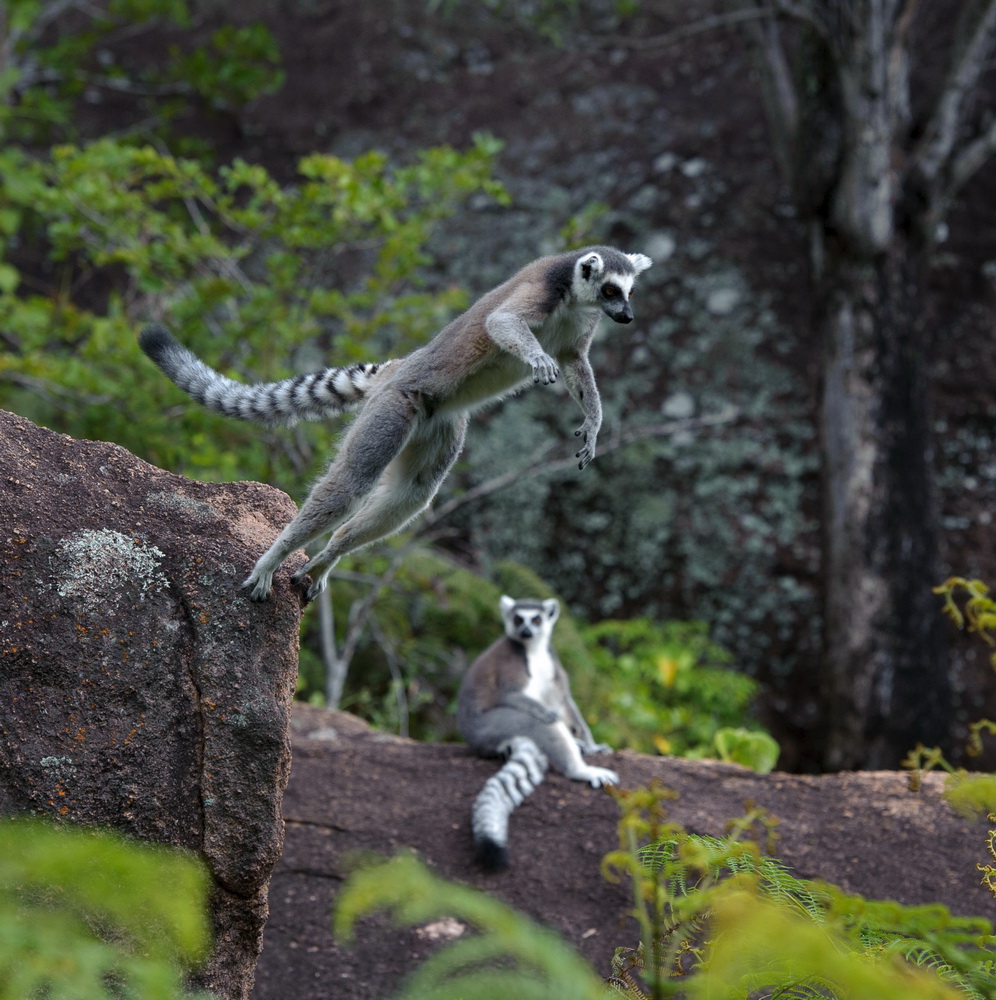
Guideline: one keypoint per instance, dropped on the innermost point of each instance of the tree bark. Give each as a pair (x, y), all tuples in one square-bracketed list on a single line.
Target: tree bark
[(885, 677), (872, 207)]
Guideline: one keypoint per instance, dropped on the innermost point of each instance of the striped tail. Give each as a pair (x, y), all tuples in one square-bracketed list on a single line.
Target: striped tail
[(318, 396), (502, 792)]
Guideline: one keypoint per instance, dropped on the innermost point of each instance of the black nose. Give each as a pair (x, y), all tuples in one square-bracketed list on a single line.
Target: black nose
[(625, 317), (526, 633)]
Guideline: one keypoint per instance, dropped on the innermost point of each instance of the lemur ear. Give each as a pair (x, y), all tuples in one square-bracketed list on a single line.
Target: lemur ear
[(639, 261), (551, 609), (506, 603), (591, 264)]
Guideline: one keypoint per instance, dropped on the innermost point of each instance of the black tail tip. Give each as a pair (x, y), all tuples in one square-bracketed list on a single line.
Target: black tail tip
[(492, 857), (155, 339)]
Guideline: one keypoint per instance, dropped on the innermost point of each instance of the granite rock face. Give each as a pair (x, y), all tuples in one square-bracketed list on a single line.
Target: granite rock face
[(139, 688), (356, 793)]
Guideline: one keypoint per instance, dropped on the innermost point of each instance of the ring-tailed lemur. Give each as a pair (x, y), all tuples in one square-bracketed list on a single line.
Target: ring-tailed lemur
[(413, 410), (515, 701)]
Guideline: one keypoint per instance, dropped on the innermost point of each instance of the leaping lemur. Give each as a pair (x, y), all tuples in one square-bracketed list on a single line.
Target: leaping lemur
[(413, 411), (515, 701)]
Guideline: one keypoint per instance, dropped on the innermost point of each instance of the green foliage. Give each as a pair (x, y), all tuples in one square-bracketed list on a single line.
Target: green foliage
[(244, 267), (508, 956), (971, 795), (431, 619), (665, 688), (236, 66), (979, 610), (56, 54), (87, 915), (757, 944), (720, 919), (754, 749), (642, 686)]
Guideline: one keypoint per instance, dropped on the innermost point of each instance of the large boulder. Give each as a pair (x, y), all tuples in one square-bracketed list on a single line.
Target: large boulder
[(139, 688)]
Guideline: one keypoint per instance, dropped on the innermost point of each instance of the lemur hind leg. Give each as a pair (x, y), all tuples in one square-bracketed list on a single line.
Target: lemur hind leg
[(561, 749), (554, 739), (405, 488), (378, 434)]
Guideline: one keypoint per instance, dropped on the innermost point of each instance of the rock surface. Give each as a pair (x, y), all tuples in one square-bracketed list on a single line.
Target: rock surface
[(354, 790), (139, 689)]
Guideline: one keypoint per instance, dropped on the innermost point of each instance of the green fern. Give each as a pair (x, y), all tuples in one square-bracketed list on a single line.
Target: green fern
[(90, 916), (803, 938)]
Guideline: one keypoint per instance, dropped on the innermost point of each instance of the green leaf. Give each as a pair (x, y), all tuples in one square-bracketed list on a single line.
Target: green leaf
[(756, 750), (81, 910)]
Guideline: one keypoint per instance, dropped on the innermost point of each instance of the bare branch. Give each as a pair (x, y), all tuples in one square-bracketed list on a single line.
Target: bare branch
[(390, 654), (539, 461), (536, 463), (359, 614), (778, 89), (334, 670), (798, 10), (974, 38), (686, 31), (970, 159)]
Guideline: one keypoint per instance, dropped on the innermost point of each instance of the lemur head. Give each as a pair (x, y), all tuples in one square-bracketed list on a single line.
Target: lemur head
[(527, 621), (605, 276)]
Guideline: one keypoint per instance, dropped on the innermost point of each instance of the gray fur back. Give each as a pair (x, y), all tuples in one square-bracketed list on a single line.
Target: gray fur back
[(318, 396), (520, 775)]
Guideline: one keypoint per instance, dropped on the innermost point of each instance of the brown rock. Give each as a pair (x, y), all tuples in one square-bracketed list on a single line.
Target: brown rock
[(139, 689), (353, 790)]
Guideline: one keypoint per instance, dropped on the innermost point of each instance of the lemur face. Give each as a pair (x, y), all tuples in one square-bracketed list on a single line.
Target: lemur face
[(525, 625), (610, 284), (528, 620), (613, 297)]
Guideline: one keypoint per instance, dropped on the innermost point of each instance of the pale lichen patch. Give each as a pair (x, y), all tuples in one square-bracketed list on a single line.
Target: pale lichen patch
[(98, 566)]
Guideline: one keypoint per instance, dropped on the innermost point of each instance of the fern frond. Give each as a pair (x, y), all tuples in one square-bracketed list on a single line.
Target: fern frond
[(511, 955)]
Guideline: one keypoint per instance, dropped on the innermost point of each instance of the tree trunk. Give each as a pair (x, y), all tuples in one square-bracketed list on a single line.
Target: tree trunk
[(885, 673)]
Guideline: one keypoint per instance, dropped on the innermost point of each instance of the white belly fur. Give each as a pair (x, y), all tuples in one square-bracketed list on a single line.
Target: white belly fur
[(541, 671)]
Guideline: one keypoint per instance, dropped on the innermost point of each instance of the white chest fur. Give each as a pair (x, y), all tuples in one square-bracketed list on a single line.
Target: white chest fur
[(542, 668)]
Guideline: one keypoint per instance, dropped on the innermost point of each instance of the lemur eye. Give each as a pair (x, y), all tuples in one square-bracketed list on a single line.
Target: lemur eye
[(518, 619), (537, 620), (610, 291)]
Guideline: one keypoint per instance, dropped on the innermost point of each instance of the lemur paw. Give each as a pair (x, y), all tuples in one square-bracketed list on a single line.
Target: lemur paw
[(595, 776), (588, 434), (585, 455), (599, 776), (317, 586), (545, 369), (259, 588)]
